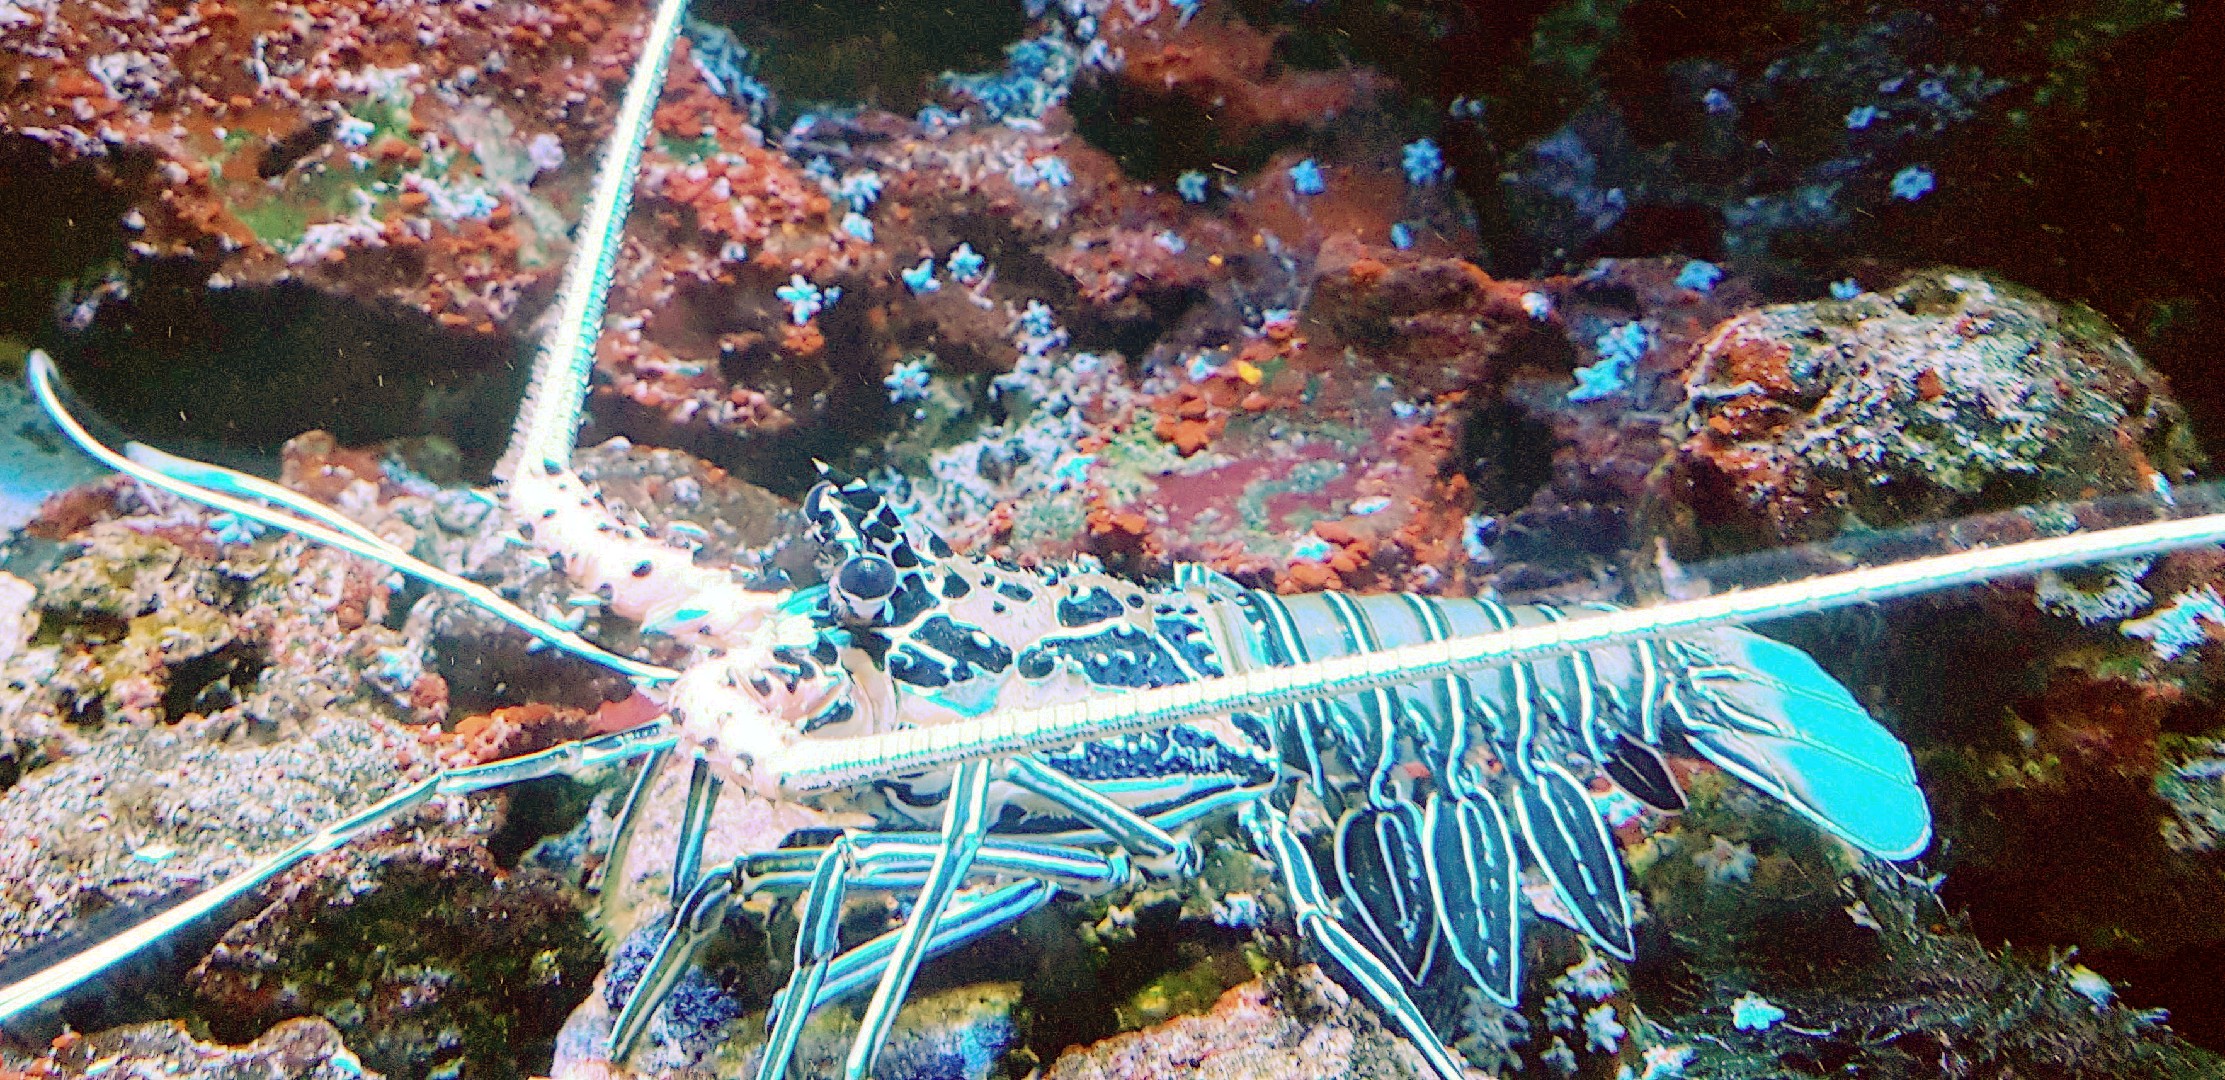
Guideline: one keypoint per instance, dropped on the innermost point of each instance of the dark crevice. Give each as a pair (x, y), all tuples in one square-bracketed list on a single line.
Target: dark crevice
[(281, 155), (212, 681), (886, 54), (537, 810), (1156, 137), (63, 226), (1087, 1005), (1136, 328), (1509, 456), (176, 362)]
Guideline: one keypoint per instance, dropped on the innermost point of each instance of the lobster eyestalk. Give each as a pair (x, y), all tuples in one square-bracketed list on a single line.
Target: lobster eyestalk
[(808, 765)]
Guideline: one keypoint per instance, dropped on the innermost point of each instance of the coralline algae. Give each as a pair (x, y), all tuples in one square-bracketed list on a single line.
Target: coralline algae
[(1324, 332), (1949, 393)]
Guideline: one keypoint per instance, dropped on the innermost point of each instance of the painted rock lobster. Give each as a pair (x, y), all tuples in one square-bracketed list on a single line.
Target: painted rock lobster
[(1021, 732), (1026, 731), (1442, 790)]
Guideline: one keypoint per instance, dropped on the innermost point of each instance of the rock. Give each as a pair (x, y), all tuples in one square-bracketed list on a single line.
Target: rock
[(17, 618), (957, 1034), (191, 705), (304, 1049), (1949, 394), (1297, 1025), (432, 958)]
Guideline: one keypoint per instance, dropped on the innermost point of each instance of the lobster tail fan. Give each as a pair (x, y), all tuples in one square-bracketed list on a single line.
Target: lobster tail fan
[(1775, 719)]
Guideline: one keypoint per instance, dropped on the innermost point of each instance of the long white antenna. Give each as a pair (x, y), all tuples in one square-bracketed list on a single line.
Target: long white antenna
[(548, 420), (223, 489), (817, 764)]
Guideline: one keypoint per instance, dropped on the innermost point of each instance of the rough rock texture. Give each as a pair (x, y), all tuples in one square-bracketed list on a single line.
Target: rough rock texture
[(1298, 1025), (1885, 979), (202, 692), (190, 705), (1948, 394), (397, 151), (17, 620), (429, 956), (303, 1049), (961, 1033)]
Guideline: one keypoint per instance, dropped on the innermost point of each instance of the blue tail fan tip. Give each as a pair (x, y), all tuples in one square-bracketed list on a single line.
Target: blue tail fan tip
[(1796, 733)]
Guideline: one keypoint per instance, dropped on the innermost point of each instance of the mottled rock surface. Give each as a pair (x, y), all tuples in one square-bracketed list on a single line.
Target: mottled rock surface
[(304, 1049), (1298, 1025), (1950, 393)]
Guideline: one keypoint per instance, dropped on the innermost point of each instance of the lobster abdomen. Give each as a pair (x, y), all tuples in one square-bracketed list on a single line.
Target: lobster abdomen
[(1447, 787), (1763, 710)]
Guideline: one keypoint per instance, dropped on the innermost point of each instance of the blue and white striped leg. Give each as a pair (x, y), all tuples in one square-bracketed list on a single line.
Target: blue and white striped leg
[(622, 833), (818, 942), (969, 917), (695, 827), (698, 906), (965, 823), (693, 919), (896, 862), (823, 973), (1132, 831), (1310, 906)]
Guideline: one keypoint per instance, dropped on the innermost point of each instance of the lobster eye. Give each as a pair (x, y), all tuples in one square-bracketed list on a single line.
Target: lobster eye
[(867, 577), (863, 584)]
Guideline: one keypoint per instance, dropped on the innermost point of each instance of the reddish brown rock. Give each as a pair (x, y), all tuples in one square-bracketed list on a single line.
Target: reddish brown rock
[(1297, 1025), (1949, 394)]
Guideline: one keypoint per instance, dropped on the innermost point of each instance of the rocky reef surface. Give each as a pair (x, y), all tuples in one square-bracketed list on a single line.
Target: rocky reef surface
[(1568, 300)]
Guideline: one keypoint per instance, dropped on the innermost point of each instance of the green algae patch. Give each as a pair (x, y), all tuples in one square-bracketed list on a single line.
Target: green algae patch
[(432, 960)]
